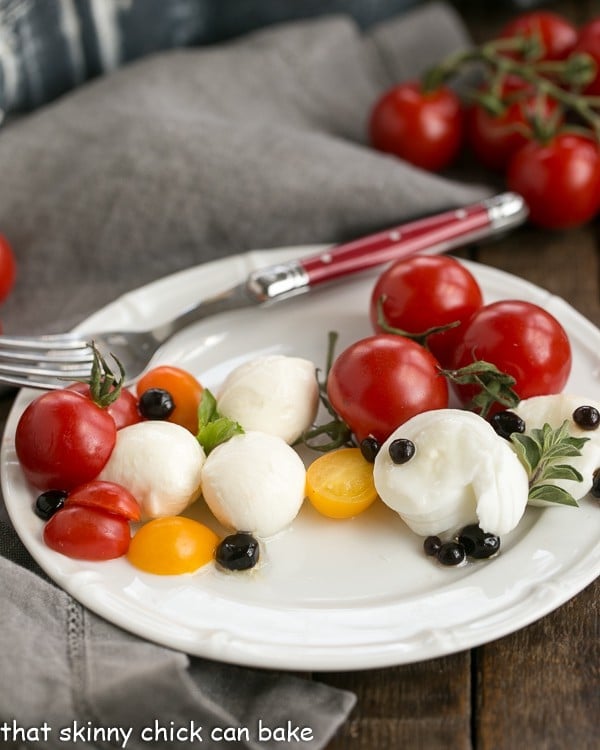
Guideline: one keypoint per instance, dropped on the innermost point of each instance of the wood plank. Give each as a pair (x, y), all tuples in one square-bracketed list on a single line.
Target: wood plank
[(540, 688), (564, 263), (425, 705)]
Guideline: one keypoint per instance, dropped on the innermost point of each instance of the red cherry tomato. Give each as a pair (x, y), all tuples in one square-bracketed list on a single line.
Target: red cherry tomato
[(8, 268), (379, 382), (494, 138), (556, 35), (522, 340), (559, 180), (421, 127), (63, 439), (425, 292), (87, 533), (589, 42), (107, 496), (124, 410)]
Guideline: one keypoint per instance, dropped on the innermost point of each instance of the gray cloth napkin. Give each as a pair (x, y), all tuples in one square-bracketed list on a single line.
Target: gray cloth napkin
[(180, 158)]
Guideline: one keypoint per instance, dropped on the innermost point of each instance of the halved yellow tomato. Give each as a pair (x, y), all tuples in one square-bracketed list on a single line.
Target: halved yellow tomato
[(172, 545), (340, 484)]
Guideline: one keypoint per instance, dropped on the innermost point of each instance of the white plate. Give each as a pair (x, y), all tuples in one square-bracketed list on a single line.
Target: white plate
[(330, 595)]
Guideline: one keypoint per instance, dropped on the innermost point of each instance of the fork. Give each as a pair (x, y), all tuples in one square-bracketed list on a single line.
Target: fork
[(47, 361)]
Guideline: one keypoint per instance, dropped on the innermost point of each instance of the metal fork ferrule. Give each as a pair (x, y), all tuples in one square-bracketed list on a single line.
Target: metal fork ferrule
[(280, 280)]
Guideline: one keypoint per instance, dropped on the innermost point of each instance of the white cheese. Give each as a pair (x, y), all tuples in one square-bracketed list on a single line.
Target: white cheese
[(276, 394), (160, 464), (462, 472), (555, 410), (254, 482)]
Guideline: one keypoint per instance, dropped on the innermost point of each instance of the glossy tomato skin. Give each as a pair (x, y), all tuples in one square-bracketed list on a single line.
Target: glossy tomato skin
[(559, 180), (107, 496), (183, 388), (63, 439), (423, 128), (424, 292), (87, 533), (379, 382), (124, 410), (522, 340), (495, 138), (589, 42), (8, 268), (556, 34)]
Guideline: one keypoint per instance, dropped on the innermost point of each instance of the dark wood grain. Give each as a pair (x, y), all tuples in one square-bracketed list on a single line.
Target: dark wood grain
[(538, 688), (426, 705)]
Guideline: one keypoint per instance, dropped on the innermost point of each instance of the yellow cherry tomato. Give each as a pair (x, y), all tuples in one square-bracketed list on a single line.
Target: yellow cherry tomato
[(185, 391), (340, 484), (172, 545)]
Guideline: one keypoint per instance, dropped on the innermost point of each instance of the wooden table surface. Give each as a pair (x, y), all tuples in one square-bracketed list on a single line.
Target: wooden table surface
[(538, 688)]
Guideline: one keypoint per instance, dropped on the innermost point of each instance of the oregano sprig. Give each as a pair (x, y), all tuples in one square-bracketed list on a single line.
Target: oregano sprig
[(543, 453)]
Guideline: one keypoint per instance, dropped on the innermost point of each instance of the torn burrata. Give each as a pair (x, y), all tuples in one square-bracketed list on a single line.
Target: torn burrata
[(461, 472), (254, 482)]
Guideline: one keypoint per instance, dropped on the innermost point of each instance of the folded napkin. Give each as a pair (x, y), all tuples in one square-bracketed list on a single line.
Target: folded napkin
[(178, 158)]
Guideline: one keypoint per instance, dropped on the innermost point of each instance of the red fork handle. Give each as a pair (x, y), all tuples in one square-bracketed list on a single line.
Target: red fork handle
[(433, 234)]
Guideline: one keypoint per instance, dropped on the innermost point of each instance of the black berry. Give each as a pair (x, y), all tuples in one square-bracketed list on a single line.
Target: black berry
[(478, 543), (239, 551), (49, 502), (369, 447), (587, 417), (401, 450), (451, 553), (432, 545), (507, 422), (156, 403)]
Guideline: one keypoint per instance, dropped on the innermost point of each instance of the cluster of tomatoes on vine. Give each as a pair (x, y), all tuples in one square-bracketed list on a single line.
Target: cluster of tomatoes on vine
[(533, 116)]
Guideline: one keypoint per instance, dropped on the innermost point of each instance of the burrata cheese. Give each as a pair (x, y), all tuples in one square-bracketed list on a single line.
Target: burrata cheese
[(254, 482), (275, 394), (462, 472), (160, 463)]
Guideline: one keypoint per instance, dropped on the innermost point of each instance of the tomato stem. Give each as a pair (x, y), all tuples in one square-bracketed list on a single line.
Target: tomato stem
[(544, 76), (105, 386), (419, 338), (336, 428), (493, 386)]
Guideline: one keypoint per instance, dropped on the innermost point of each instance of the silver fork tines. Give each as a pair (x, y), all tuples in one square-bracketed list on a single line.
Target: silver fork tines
[(45, 361)]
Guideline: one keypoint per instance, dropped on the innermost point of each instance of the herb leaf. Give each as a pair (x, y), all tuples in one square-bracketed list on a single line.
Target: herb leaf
[(550, 493), (542, 453), (493, 385), (213, 428)]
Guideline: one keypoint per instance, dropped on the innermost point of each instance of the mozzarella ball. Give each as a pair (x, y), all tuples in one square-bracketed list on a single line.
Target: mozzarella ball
[(462, 472), (160, 463), (274, 394), (254, 482), (555, 410)]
